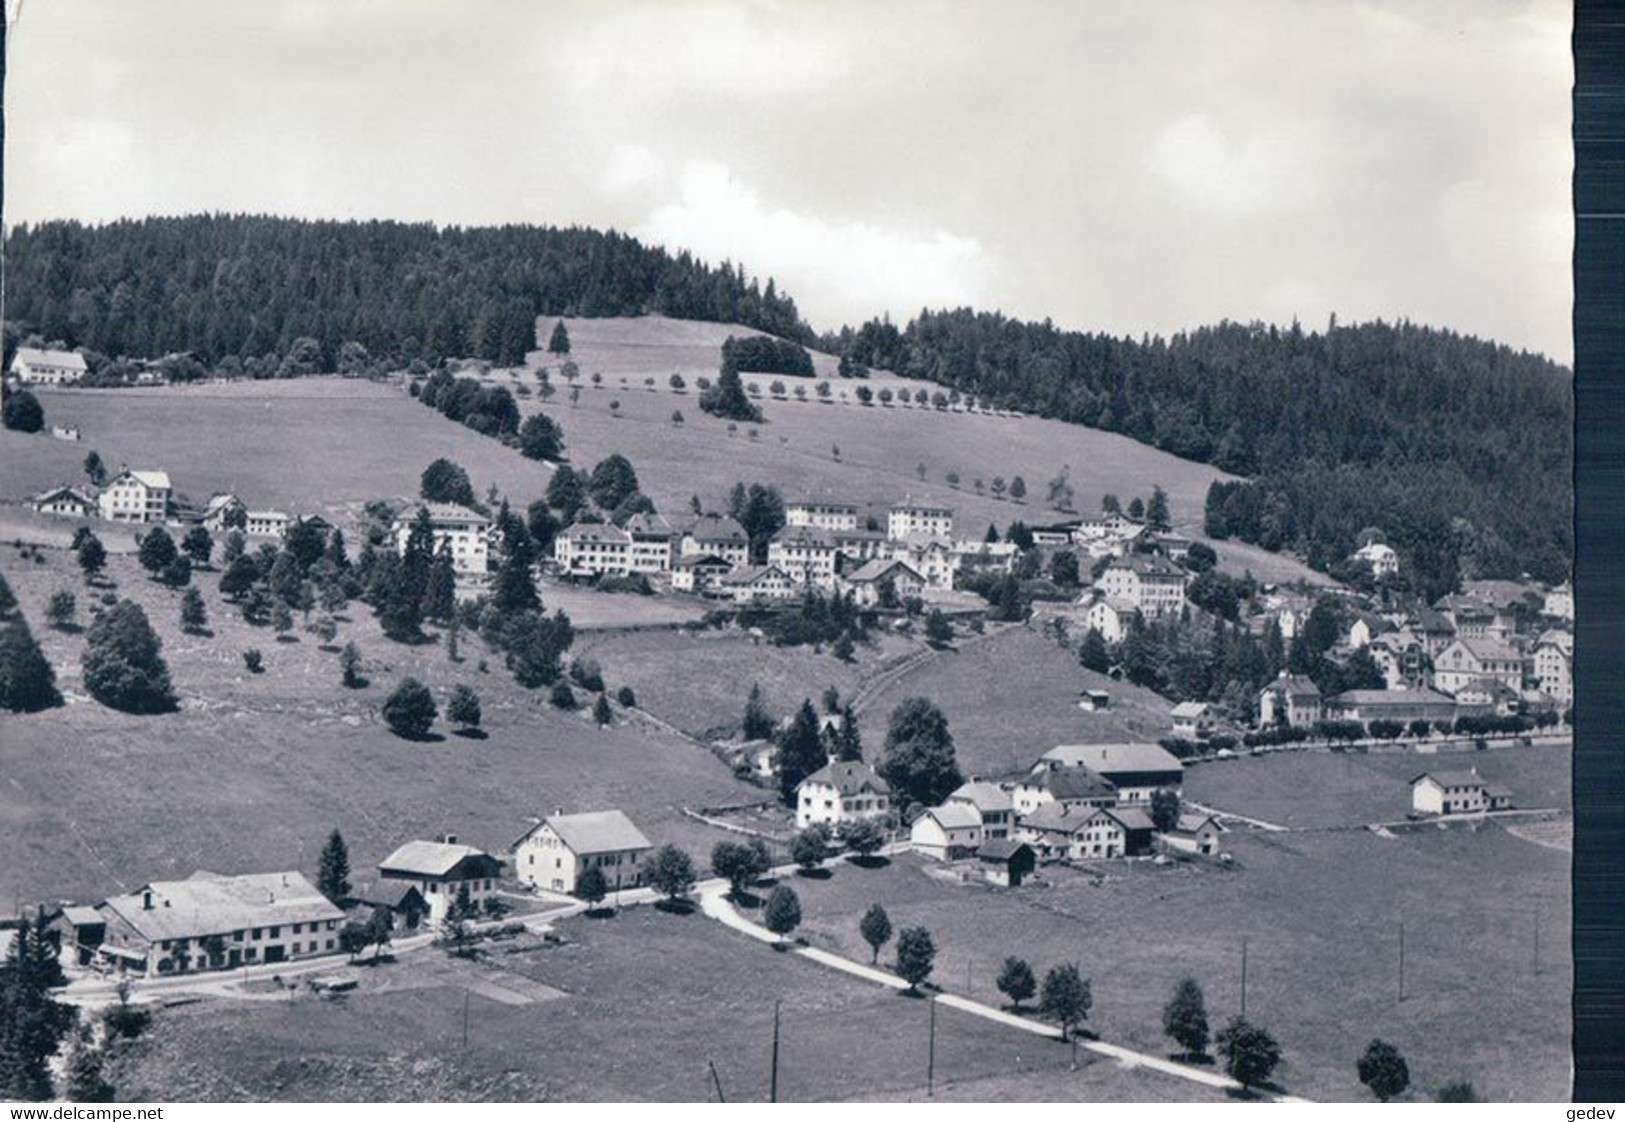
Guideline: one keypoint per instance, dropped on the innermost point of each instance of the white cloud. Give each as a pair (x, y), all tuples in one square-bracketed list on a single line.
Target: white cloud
[(1269, 169), (838, 271), (630, 167)]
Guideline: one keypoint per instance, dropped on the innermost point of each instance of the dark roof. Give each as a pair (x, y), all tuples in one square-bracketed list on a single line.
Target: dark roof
[(1002, 849), (849, 777)]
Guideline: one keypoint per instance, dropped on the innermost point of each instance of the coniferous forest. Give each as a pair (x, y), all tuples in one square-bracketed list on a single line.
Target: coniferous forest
[(1456, 449)]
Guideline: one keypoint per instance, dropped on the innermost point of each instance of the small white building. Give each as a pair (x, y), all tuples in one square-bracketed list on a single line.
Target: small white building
[(1113, 618), (266, 523), (908, 517), (1195, 833), (822, 514), (555, 852), (34, 366), (222, 510), (65, 502), (948, 832), (1554, 665), (1192, 719), (136, 496), (992, 804), (442, 871), (1449, 792), (1383, 560), (464, 533), (841, 792)]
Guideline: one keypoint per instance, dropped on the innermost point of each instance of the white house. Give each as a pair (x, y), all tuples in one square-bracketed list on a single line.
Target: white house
[(1560, 601), (698, 572), (1554, 665), (1468, 661), (65, 502), (1449, 792), (593, 549), (214, 922), (933, 557), (265, 523), (1069, 786), (442, 871), (555, 852), (908, 517), (807, 555), (717, 534), (651, 544), (1383, 560), (948, 832), (1114, 619), (1291, 699), (992, 804), (1154, 585), (867, 584), (37, 367), (1084, 833), (136, 496), (822, 514), (223, 509), (1194, 833), (841, 792), (757, 584), (1137, 771), (1192, 719), (465, 533)]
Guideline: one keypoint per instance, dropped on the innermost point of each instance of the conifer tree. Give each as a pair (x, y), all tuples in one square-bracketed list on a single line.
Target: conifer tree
[(333, 869)]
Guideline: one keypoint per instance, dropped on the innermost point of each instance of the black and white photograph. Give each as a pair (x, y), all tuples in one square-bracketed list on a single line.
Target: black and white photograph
[(717, 551)]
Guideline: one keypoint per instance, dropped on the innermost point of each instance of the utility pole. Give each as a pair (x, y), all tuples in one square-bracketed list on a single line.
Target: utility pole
[(716, 1082), (931, 1053), (1244, 977), (1402, 962), (773, 1083)]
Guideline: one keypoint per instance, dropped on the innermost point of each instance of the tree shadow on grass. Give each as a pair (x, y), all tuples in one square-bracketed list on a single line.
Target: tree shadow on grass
[(287, 638), (746, 899), (424, 738), (675, 907), (869, 860), (1194, 1059), (819, 873), (599, 912), (473, 734)]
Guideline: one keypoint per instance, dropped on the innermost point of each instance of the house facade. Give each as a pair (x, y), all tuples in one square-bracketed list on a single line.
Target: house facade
[(1154, 585), (266, 523), (948, 833), (65, 502), (1195, 833), (650, 549), (868, 583), (1403, 706), (1449, 792), (757, 584), (992, 804), (907, 518), (1064, 784), (1468, 661), (1135, 771), (1554, 666), (698, 572), (442, 871), (593, 549), (718, 535), (1114, 619), (806, 555), (136, 496), (822, 514), (464, 533), (34, 366), (841, 792), (1291, 699), (1382, 559), (557, 850)]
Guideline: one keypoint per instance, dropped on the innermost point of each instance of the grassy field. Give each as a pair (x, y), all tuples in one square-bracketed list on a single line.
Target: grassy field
[(255, 769), (1346, 788), (1320, 916), (631, 1008), (1013, 696)]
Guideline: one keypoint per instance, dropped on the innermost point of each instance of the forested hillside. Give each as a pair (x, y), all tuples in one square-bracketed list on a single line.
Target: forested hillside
[(1459, 450), (249, 286)]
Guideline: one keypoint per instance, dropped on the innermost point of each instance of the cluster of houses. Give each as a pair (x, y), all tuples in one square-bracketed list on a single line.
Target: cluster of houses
[(825, 544), (213, 922)]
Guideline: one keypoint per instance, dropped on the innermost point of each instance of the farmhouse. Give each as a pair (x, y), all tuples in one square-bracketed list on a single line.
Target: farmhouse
[(822, 514), (1080, 834), (465, 533), (908, 517), (403, 901), (697, 572), (1173, 547), (1067, 785), (214, 922), (841, 792), (1291, 700), (442, 871), (65, 502), (991, 802), (651, 543), (265, 523), (80, 931), (1467, 661), (1554, 665), (555, 852), (224, 510), (1449, 792), (1137, 771), (1474, 618), (869, 584), (1109, 525), (136, 496), (806, 555), (757, 584), (1006, 861), (948, 832), (1195, 833), (34, 366), (1391, 705), (1192, 719), (593, 549), (1154, 585), (719, 535)]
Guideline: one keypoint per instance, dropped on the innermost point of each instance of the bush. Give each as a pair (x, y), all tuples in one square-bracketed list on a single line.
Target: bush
[(410, 711), (123, 668), (253, 660), (562, 696), (626, 698)]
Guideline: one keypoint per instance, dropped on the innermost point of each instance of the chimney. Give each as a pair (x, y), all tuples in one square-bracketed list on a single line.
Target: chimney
[(449, 839), (146, 900), (558, 811)]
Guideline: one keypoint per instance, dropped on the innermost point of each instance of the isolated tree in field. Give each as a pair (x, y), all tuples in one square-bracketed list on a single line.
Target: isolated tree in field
[(1066, 997), (350, 664), (541, 438), (236, 543), (445, 482), (157, 550), (22, 413), (27, 680), (844, 648), (801, 751), (875, 927), (1250, 1053), (281, 618), (1093, 653), (325, 630), (602, 714), (463, 708), (123, 668), (558, 343), (810, 847), (863, 836), (198, 544), (333, 868), (953, 479), (92, 556), (194, 614), (1165, 809), (1016, 981), (783, 912), (1184, 1018), (1384, 1070), (253, 661), (95, 470), (916, 955), (410, 710), (1018, 488), (1060, 492), (240, 576), (756, 725), (739, 864), (178, 573), (918, 760), (670, 871), (61, 609), (727, 399), (938, 631)]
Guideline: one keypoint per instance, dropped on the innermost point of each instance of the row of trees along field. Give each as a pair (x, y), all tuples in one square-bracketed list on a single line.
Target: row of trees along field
[(1459, 449), (240, 285)]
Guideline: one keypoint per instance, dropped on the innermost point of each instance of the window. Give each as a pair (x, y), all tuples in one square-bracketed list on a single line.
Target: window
[(256, 933), (276, 932)]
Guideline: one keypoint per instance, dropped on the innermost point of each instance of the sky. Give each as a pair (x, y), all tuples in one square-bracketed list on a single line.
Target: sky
[(1110, 165)]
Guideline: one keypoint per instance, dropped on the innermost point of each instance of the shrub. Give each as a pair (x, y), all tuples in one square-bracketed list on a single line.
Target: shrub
[(410, 711)]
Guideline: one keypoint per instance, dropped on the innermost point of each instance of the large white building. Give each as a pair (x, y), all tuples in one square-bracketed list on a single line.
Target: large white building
[(822, 514), (1137, 770), (136, 496), (651, 544), (718, 534), (805, 554), (555, 852), (909, 517), (1554, 665), (1468, 662), (37, 367), (1154, 585), (841, 792), (465, 533), (593, 549)]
